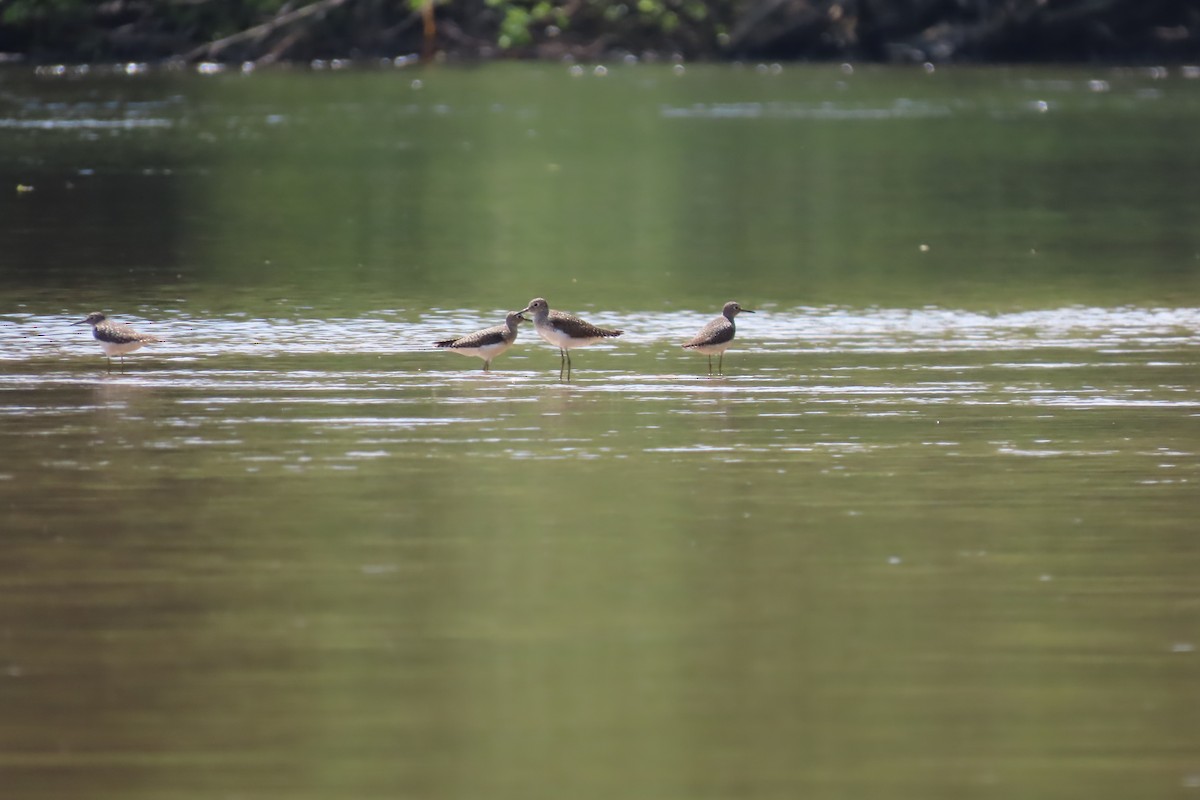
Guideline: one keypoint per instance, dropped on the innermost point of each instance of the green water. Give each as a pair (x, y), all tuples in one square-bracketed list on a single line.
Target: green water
[(932, 534)]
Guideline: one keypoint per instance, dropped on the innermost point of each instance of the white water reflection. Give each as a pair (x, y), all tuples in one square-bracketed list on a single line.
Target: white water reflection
[(899, 109), (318, 392), (87, 123), (801, 330)]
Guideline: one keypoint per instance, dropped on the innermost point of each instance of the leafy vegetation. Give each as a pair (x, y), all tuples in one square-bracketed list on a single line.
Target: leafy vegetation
[(884, 30)]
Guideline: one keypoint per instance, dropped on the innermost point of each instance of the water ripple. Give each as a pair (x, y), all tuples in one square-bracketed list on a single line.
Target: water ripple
[(343, 392), (780, 331)]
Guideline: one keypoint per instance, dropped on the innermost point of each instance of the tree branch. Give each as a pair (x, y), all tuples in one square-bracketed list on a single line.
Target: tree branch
[(265, 29)]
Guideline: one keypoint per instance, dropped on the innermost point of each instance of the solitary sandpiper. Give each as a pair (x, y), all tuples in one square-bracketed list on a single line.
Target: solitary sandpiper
[(115, 338), (564, 330), (489, 342), (716, 336)]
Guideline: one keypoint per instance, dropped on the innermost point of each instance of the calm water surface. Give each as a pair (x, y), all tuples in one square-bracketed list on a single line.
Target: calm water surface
[(932, 534)]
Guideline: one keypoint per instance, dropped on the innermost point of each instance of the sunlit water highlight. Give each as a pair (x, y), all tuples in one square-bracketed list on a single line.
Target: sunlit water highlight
[(804, 330), (378, 376)]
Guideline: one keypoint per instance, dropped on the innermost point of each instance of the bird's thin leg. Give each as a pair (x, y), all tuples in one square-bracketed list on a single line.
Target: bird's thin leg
[(486, 365), (710, 363)]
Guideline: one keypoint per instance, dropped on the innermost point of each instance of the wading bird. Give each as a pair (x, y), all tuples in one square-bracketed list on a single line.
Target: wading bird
[(716, 336), (115, 338), (487, 343), (565, 331)]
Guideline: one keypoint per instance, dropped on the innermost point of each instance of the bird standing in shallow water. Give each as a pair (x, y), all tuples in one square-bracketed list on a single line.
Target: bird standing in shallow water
[(115, 338), (489, 342), (565, 331), (716, 336)]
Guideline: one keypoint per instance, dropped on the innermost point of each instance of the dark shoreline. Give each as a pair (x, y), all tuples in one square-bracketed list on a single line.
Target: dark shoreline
[(1125, 32)]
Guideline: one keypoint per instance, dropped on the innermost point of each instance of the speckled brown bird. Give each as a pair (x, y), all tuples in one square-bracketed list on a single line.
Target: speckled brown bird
[(716, 336), (564, 330), (487, 343), (115, 338)]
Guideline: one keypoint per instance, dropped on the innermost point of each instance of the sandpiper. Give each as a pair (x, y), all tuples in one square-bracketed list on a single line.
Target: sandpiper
[(564, 330), (489, 342), (115, 338), (716, 336)]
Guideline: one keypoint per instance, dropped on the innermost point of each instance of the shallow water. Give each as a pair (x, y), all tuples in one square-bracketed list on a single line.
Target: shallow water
[(930, 535)]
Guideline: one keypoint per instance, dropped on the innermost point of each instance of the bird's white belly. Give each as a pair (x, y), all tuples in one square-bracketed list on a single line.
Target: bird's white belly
[(119, 348), (711, 349), (487, 352), (561, 340)]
